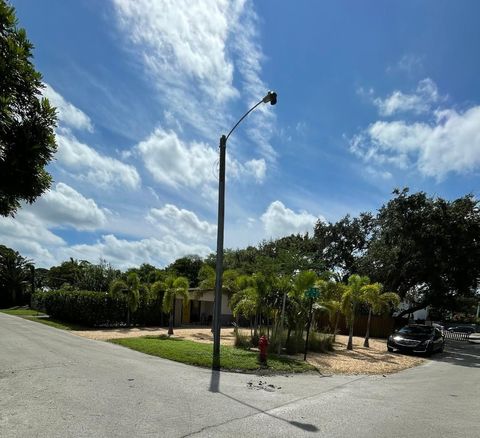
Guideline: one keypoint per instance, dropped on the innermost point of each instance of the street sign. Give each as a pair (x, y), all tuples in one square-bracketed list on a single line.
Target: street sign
[(313, 292)]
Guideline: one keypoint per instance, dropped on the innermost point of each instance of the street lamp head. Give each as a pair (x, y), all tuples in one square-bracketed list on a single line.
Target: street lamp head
[(270, 97)]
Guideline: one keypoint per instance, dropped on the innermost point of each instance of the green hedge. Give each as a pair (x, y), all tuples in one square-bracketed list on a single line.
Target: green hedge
[(94, 309)]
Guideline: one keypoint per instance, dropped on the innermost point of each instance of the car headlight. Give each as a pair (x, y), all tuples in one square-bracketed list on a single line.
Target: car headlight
[(397, 338)]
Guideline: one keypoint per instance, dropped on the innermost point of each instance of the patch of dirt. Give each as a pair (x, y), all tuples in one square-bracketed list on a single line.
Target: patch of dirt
[(360, 360)]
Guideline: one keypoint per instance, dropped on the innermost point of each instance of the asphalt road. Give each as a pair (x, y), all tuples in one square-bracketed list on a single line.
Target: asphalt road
[(56, 384)]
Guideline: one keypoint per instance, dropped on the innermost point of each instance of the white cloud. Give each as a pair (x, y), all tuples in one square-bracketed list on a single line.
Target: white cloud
[(449, 144), (67, 114), (418, 102), (280, 221), (181, 223), (193, 49), (125, 253), (175, 163), (27, 234), (195, 165), (409, 63), (64, 206), (90, 165)]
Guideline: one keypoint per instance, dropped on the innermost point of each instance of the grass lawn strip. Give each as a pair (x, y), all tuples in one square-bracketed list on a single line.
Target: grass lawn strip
[(54, 323), (21, 312), (200, 354)]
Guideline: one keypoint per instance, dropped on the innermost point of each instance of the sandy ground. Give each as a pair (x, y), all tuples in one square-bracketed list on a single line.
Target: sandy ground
[(373, 360)]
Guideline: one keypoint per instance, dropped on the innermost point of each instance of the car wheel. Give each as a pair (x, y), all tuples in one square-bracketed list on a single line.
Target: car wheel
[(390, 349)]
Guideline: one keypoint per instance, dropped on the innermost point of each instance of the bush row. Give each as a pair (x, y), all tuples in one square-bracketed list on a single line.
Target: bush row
[(95, 309), (318, 342)]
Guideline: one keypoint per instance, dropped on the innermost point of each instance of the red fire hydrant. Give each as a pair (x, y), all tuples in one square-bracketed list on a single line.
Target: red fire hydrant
[(262, 346)]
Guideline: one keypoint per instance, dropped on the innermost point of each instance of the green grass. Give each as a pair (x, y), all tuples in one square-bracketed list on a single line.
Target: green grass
[(20, 311), (200, 354), (55, 323), (34, 315)]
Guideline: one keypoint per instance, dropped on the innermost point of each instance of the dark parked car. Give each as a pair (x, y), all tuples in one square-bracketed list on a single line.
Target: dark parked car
[(461, 329), (416, 338)]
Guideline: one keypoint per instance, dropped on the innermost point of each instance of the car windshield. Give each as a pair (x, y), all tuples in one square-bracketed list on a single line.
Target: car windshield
[(416, 330)]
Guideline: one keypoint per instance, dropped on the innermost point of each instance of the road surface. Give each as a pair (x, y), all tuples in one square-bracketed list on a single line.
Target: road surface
[(56, 384)]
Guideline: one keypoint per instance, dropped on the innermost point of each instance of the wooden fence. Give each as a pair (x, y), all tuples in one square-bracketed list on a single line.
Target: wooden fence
[(380, 326)]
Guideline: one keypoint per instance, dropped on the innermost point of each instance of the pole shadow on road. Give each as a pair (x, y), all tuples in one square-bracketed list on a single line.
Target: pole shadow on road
[(215, 387)]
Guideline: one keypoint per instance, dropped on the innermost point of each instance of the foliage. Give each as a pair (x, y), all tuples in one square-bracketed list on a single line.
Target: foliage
[(14, 278), (173, 288), (242, 340), (81, 275), (377, 301), (27, 139), (426, 249), (351, 298), (82, 307), (341, 245), (320, 342), (195, 353), (130, 290), (187, 267)]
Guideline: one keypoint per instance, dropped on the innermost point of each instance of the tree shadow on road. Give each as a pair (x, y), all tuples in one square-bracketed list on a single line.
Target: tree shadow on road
[(460, 353)]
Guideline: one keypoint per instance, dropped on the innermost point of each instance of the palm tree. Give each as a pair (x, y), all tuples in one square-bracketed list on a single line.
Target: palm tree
[(302, 281), (331, 292), (246, 301), (174, 287), (351, 297), (377, 301), (130, 289)]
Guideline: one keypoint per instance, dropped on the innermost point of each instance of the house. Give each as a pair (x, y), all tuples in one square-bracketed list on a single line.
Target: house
[(200, 308)]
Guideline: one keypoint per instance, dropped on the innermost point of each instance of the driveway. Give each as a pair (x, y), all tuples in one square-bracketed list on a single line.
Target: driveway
[(55, 384)]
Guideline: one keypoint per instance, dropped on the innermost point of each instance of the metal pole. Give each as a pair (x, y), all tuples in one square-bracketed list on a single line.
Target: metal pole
[(219, 266), (308, 329), (281, 323)]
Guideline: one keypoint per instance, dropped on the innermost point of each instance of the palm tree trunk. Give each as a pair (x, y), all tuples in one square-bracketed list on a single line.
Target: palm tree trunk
[(337, 317), (170, 324), (350, 334), (367, 335)]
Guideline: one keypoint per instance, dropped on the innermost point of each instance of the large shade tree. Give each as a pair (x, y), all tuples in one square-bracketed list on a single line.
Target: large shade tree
[(27, 121), (427, 249)]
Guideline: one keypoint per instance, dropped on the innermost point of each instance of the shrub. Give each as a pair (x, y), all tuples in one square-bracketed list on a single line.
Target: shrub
[(242, 340), (94, 309), (320, 342), (295, 345)]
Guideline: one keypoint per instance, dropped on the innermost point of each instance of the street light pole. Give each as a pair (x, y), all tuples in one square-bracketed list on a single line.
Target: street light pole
[(217, 308)]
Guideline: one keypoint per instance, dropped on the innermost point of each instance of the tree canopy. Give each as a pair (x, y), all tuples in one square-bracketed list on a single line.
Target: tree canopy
[(27, 121)]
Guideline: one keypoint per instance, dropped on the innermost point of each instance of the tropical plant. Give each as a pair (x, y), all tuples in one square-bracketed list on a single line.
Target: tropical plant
[(246, 301), (377, 301), (298, 303), (130, 289), (174, 287), (331, 292), (14, 276), (351, 298)]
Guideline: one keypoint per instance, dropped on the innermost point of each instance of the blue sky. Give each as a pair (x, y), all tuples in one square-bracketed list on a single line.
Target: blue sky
[(371, 96)]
